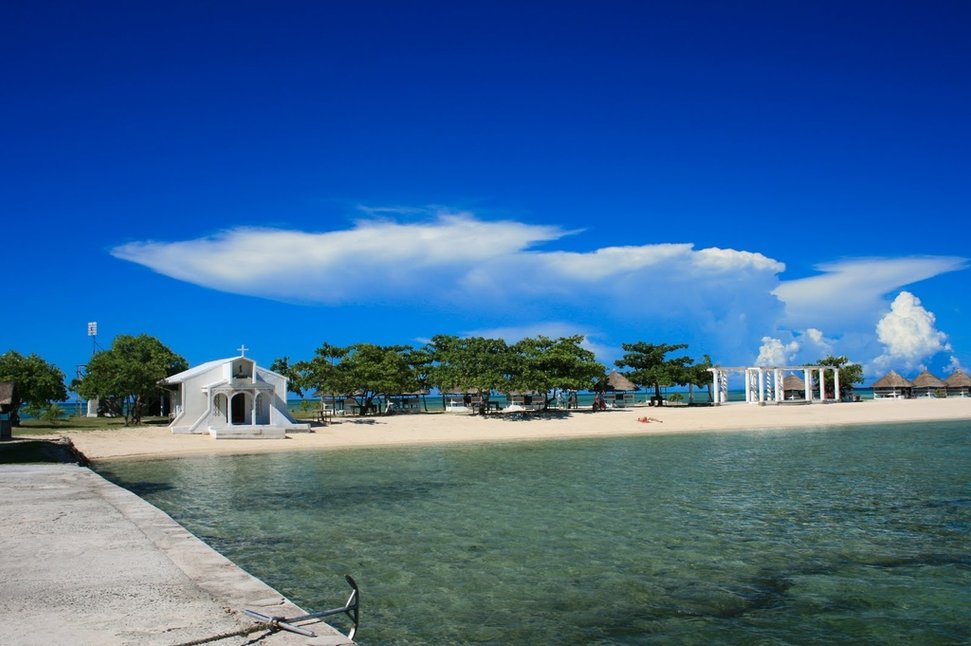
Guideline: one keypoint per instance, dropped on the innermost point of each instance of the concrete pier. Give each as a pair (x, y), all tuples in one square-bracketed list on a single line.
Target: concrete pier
[(83, 561)]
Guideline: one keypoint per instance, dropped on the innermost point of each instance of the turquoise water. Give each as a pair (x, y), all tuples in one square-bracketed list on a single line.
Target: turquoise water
[(855, 535)]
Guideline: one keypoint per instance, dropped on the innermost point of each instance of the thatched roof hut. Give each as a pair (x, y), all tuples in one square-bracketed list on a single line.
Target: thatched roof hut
[(958, 384), (620, 382), (892, 386), (6, 396), (927, 385), (622, 389), (793, 387)]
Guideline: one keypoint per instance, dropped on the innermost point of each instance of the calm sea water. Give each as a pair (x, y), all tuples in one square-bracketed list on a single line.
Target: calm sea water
[(855, 535)]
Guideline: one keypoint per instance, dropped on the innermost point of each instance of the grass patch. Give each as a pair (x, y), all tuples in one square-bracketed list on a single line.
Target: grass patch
[(81, 423)]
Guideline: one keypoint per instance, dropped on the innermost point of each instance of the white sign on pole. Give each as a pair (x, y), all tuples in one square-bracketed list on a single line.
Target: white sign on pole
[(93, 328)]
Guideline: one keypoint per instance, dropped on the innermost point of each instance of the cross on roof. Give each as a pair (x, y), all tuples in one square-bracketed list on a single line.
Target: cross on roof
[(242, 350)]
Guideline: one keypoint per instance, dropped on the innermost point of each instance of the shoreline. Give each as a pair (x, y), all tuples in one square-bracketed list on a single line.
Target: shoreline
[(444, 428)]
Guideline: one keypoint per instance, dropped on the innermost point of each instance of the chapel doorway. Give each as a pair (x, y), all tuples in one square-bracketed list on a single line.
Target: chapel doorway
[(239, 409)]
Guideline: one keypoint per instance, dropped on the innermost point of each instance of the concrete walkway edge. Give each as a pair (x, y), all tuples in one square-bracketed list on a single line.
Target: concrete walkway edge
[(87, 562)]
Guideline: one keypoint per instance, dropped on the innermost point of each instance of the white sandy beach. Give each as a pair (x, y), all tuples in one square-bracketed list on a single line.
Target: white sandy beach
[(442, 428)]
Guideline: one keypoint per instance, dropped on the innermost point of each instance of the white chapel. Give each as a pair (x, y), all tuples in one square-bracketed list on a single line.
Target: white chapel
[(231, 399)]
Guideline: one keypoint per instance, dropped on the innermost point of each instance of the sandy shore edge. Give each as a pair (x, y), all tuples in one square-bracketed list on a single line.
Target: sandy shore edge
[(444, 428)]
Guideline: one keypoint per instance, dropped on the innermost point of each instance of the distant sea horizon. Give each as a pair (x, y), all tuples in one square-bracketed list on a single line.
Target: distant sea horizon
[(435, 402)]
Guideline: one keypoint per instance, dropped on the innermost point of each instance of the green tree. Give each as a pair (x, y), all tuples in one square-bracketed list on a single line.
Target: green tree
[(649, 366), (375, 370), (555, 365), (697, 374), (36, 382), (850, 373), (125, 378), (282, 366), (364, 371), (320, 374), (475, 363)]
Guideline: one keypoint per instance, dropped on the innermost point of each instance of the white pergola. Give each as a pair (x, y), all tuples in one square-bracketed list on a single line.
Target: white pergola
[(763, 384)]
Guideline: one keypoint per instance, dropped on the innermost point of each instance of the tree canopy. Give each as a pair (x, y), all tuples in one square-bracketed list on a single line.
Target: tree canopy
[(37, 383), (650, 368), (850, 373), (555, 364), (474, 364), (125, 378), (363, 371)]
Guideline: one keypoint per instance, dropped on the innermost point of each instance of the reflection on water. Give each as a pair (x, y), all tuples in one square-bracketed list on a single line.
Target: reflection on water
[(796, 537)]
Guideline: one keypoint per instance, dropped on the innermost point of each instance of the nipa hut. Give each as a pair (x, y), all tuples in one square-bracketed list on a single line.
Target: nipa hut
[(958, 384), (892, 386), (619, 390), (793, 387), (927, 385), (6, 396)]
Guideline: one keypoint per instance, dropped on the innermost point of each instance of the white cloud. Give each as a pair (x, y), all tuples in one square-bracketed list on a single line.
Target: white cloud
[(473, 263), (953, 364), (908, 335), (818, 342), (853, 290), (507, 273), (774, 352)]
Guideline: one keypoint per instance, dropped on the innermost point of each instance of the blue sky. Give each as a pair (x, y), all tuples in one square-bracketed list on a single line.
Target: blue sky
[(765, 181)]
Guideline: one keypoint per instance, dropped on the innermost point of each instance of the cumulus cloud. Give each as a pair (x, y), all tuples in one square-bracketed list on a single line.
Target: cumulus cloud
[(853, 290), (798, 348), (953, 364), (908, 334), (816, 340), (774, 352)]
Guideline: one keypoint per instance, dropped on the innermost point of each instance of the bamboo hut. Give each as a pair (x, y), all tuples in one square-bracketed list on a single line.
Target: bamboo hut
[(958, 384), (927, 385), (892, 386)]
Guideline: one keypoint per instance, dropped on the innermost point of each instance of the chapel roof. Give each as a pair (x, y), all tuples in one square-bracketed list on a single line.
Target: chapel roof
[(202, 368)]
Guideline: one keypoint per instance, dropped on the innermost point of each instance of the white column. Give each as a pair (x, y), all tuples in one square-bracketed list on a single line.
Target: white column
[(808, 384), (761, 385), (822, 384), (715, 390), (779, 391), (836, 382)]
